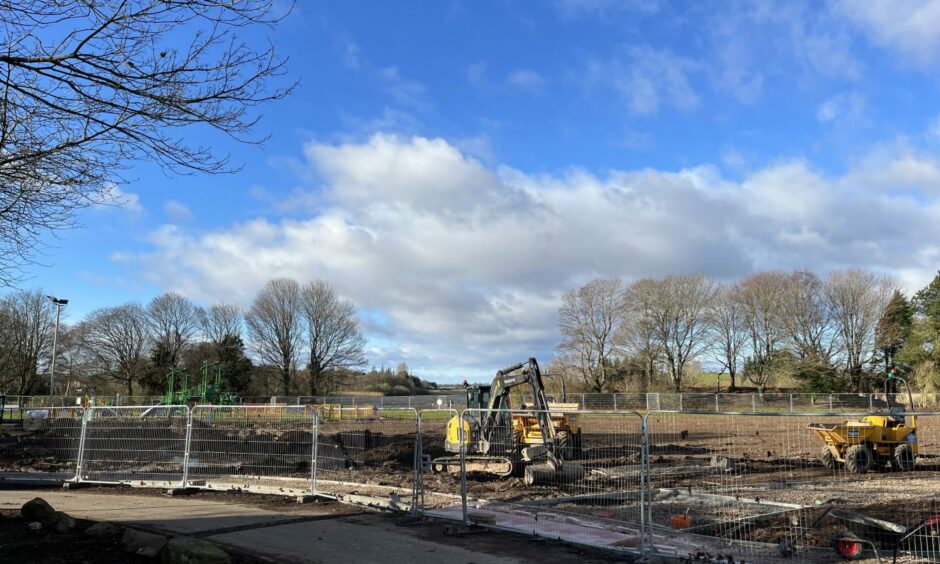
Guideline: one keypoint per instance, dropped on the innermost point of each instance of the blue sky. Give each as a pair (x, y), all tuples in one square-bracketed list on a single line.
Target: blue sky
[(452, 167)]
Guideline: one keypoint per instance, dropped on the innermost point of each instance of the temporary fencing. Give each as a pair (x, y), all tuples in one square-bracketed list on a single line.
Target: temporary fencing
[(753, 487), (134, 445), (46, 446), (252, 448), (747, 485), (367, 451)]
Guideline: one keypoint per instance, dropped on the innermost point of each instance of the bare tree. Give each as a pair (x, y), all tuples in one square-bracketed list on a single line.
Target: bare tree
[(637, 335), (275, 327), (174, 322), (335, 340), (26, 325), (588, 318), (87, 88), (857, 299), (116, 339), (806, 317), (762, 297), (222, 320), (729, 331), (681, 320)]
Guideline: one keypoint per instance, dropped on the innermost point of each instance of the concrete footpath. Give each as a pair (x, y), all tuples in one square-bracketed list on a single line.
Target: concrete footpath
[(310, 533)]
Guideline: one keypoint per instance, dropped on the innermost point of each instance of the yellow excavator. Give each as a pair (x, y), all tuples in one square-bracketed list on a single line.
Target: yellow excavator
[(534, 441)]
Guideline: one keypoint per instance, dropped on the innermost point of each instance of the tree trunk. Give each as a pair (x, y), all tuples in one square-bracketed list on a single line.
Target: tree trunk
[(733, 386), (314, 380), (285, 381)]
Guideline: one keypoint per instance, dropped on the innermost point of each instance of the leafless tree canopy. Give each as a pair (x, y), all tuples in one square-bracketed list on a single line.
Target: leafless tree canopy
[(117, 340), (222, 320), (26, 325), (681, 320), (276, 327), (588, 318), (335, 340), (637, 335), (857, 299), (730, 333), (806, 317), (174, 322), (90, 87)]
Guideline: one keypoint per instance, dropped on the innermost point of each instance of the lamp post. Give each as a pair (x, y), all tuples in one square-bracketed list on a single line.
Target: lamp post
[(55, 336)]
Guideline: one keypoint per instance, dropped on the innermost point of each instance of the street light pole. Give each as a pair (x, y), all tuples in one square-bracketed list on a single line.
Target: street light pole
[(55, 337)]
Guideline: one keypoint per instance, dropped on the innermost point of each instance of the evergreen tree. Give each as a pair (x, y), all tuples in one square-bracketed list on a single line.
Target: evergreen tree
[(236, 367), (894, 329)]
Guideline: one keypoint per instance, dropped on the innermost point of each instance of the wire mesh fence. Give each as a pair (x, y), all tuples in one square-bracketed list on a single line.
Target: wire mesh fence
[(564, 474), (367, 451), (40, 443), (800, 487), (755, 486), (135, 445), (252, 448)]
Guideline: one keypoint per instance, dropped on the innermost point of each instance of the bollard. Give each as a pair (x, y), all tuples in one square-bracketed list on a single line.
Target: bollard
[(753, 403)]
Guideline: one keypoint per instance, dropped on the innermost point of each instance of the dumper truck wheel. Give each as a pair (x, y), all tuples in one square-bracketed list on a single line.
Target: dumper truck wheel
[(827, 459), (847, 546), (858, 459), (903, 458)]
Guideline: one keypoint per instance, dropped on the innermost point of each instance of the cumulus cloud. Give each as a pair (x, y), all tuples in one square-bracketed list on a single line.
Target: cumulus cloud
[(459, 265), (911, 28)]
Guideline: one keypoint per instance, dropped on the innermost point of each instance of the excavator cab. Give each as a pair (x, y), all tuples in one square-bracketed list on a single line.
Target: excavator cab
[(478, 397)]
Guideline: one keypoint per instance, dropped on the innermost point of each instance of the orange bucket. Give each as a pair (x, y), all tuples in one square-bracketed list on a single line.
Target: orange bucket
[(681, 521)]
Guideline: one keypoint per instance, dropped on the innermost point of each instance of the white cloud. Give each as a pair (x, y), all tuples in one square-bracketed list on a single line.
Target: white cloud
[(461, 264), (912, 28), (647, 78), (129, 201), (526, 79), (177, 211), (847, 106)]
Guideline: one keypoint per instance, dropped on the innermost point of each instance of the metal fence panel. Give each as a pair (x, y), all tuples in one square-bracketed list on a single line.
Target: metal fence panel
[(754, 488), (256, 448), (40, 443), (367, 450), (135, 445), (593, 497)]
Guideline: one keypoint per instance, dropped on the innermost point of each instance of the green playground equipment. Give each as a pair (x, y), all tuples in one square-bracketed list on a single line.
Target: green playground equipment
[(180, 392)]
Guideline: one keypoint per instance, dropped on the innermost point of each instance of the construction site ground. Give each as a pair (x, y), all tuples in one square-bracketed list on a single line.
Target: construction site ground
[(261, 528)]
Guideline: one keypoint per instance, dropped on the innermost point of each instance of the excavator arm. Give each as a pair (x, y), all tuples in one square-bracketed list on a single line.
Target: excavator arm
[(521, 374)]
